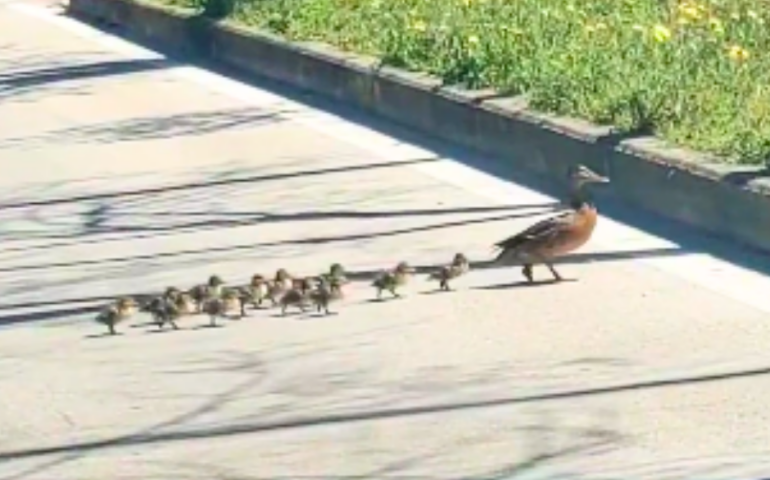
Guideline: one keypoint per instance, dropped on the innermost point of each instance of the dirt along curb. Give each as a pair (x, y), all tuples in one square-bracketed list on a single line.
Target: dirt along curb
[(728, 201)]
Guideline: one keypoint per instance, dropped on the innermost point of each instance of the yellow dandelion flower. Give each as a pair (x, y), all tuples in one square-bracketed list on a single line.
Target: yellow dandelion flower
[(419, 26), (473, 39), (661, 33), (595, 27), (738, 53), (689, 11)]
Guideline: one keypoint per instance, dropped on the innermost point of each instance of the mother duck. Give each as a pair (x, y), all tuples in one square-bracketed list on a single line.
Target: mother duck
[(558, 235)]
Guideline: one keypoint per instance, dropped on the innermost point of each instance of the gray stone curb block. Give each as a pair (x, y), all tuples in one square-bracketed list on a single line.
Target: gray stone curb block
[(732, 202)]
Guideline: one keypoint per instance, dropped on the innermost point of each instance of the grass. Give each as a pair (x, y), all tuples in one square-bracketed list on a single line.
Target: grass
[(694, 74)]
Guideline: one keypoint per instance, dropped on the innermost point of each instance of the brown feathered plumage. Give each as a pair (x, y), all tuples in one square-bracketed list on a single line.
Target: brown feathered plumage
[(555, 236)]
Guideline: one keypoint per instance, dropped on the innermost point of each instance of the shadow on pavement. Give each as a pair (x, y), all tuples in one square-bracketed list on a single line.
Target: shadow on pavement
[(687, 238), (247, 428), (46, 76), (151, 128), (62, 308)]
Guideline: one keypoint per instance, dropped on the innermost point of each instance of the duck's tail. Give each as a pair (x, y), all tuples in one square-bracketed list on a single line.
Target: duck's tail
[(504, 256)]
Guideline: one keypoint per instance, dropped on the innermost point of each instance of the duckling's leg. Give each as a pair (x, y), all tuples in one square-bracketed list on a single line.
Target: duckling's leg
[(527, 272), (243, 302), (394, 292), (213, 320), (379, 293), (163, 318), (111, 326), (173, 324)]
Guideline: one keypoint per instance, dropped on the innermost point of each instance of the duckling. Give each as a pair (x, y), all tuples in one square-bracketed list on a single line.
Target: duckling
[(179, 304), (254, 293), (242, 293), (298, 296), (325, 293), (459, 267), (228, 302), (392, 280), (556, 236), (282, 283), (336, 274), (212, 288), (336, 286), (122, 309), (159, 309), (258, 290)]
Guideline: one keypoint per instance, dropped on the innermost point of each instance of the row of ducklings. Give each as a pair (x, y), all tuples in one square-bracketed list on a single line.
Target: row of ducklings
[(217, 300)]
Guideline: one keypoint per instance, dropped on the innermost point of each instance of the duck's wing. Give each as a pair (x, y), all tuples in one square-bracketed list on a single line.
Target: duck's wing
[(542, 230)]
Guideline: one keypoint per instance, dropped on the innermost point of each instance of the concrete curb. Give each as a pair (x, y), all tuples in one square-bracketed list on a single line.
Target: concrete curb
[(730, 202)]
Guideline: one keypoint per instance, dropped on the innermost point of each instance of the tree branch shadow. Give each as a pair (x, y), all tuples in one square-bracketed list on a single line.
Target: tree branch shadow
[(152, 128), (149, 436)]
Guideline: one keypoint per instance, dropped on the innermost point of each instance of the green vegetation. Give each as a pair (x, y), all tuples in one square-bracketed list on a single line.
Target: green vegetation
[(695, 74)]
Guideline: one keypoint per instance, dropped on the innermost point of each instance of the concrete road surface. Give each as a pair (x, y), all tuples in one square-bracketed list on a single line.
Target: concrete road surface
[(123, 173)]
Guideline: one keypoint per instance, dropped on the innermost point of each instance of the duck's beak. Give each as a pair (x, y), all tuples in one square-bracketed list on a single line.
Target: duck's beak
[(595, 177)]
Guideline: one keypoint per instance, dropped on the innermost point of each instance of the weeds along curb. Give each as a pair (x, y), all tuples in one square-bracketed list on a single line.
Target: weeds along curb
[(730, 202)]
